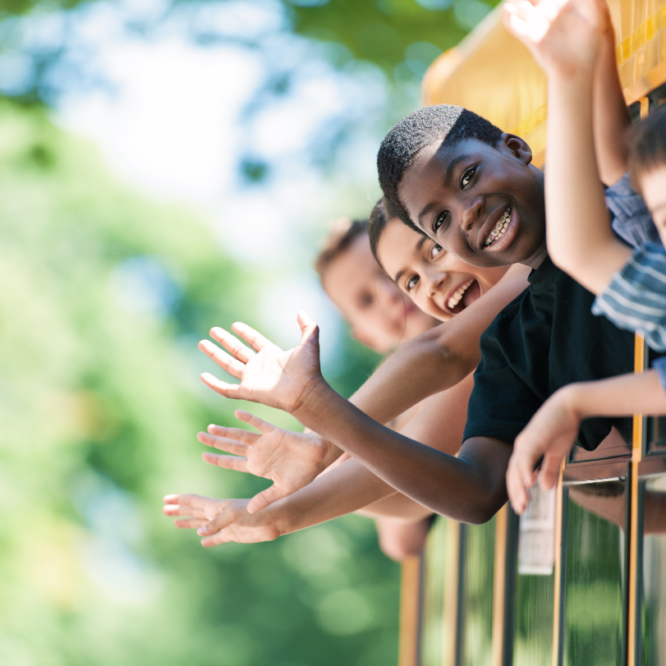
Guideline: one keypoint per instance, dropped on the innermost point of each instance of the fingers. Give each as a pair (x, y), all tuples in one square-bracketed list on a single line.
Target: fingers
[(232, 344), (309, 329), (190, 523), (235, 463), (261, 425), (223, 444), (237, 434), (552, 463), (254, 339), (195, 501), (234, 391), (218, 523), (518, 491), (266, 497), (227, 363), (179, 510), (217, 539)]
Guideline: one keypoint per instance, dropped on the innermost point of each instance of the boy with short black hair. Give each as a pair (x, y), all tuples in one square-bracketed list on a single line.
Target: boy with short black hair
[(481, 199)]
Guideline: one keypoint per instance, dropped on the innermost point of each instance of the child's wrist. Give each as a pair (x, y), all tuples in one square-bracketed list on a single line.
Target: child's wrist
[(315, 399), (572, 398)]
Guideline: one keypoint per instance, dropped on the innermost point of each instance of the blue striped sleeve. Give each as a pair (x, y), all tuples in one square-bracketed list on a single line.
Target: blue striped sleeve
[(636, 297), (632, 221)]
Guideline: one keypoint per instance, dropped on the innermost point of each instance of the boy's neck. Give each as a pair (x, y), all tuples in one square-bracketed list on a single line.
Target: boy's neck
[(536, 258)]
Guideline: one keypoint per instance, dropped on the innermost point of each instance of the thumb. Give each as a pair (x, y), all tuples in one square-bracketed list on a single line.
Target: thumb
[(309, 329), (266, 497)]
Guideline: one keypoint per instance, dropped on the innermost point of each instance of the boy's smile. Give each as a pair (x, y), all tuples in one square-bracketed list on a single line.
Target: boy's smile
[(483, 204)]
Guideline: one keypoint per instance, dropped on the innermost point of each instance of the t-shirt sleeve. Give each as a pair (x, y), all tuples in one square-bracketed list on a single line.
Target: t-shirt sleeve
[(501, 403), (635, 299), (631, 218)]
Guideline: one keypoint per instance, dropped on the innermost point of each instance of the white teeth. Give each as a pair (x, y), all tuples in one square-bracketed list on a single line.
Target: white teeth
[(501, 226), (457, 296)]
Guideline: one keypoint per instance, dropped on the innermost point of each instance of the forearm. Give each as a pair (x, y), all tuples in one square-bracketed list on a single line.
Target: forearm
[(345, 489), (640, 393), (579, 235), (469, 487), (437, 359), (611, 116)]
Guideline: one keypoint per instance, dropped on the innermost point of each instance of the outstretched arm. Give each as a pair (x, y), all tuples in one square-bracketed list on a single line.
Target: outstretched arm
[(610, 113), (566, 39), (552, 431), (438, 358), (350, 486)]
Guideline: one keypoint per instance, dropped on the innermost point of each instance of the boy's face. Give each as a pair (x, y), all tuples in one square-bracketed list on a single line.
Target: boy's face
[(653, 190), (483, 204)]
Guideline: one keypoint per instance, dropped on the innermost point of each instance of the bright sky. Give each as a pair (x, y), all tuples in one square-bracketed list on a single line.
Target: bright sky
[(171, 124)]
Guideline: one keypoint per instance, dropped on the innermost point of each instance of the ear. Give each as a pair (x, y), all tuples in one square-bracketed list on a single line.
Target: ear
[(517, 146)]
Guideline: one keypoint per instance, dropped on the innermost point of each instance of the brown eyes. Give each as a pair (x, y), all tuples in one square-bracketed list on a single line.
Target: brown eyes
[(467, 177)]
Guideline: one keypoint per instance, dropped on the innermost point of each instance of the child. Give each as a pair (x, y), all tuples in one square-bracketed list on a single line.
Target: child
[(472, 189), (631, 286), (379, 316), (351, 486)]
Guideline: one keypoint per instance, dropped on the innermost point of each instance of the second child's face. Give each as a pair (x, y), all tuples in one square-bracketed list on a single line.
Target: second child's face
[(653, 188), (483, 204), (438, 282), (379, 315)]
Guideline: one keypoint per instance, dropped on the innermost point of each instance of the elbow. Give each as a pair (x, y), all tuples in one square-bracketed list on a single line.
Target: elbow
[(482, 508)]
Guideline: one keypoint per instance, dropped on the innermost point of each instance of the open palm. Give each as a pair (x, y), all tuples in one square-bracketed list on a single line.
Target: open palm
[(562, 35), (267, 374), (221, 521), (290, 459)]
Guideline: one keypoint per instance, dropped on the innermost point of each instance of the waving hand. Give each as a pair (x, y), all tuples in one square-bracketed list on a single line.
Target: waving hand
[(267, 374), (291, 460), (221, 521)]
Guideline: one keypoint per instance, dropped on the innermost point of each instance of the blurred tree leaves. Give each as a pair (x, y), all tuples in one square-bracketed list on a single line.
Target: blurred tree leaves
[(104, 297), (378, 31)]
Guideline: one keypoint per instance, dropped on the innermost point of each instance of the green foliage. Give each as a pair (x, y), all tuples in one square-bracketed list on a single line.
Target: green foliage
[(104, 297)]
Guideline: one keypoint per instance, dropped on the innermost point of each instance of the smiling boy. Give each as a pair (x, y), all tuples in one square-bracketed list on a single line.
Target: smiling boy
[(460, 187), (474, 191)]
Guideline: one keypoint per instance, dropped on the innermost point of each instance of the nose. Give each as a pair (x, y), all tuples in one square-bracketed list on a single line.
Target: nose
[(435, 280), (471, 212)]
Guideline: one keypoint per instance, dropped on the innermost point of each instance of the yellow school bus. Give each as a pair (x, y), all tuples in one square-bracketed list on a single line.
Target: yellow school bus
[(580, 579)]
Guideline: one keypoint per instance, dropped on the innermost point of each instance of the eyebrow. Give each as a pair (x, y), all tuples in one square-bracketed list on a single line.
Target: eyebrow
[(417, 248), (447, 179)]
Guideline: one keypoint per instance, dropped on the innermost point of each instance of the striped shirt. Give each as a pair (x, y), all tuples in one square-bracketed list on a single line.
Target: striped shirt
[(635, 299)]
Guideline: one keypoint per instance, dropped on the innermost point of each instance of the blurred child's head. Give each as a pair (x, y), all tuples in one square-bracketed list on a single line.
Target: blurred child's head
[(377, 312), (647, 164), (449, 173), (439, 283)]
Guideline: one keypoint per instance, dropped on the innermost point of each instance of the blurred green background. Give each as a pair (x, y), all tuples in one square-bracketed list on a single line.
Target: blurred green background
[(109, 283)]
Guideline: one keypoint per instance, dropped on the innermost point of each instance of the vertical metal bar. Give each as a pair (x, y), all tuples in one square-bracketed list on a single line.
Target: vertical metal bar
[(411, 594), (506, 533), (459, 615), (499, 585), (452, 594), (559, 593), (633, 591)]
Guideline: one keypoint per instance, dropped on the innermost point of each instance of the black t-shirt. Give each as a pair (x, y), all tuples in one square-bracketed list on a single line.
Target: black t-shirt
[(544, 339)]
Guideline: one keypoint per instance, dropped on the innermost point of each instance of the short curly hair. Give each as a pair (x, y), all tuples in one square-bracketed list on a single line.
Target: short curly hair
[(431, 124)]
